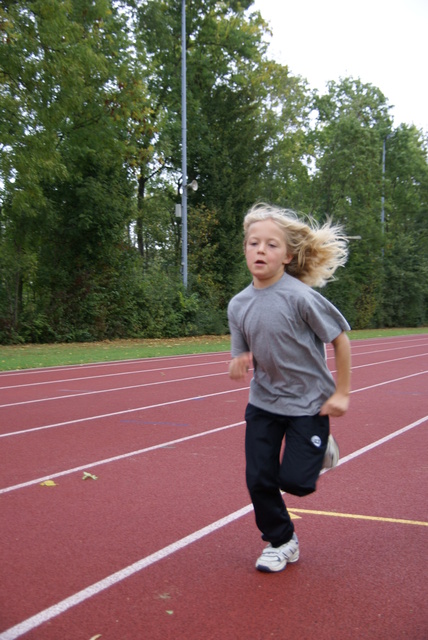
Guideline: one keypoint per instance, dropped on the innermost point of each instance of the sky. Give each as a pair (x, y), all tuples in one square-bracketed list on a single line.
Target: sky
[(381, 42)]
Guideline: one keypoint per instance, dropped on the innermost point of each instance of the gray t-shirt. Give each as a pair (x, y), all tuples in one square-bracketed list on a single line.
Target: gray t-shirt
[(286, 326)]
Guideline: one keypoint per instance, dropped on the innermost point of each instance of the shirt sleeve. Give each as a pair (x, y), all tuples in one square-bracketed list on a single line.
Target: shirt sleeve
[(324, 318), (238, 342)]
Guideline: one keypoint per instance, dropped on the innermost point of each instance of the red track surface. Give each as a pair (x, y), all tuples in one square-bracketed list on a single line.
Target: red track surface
[(162, 545)]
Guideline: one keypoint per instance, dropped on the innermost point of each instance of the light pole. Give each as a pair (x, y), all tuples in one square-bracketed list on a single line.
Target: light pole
[(192, 185), (382, 211), (183, 145)]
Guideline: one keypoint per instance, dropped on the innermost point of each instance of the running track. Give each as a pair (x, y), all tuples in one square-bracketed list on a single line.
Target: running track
[(162, 544)]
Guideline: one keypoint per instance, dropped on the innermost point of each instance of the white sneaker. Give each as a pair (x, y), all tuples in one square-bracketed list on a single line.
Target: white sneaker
[(331, 456), (276, 558)]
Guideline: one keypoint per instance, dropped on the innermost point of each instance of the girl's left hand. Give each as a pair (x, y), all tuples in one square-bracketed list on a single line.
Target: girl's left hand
[(336, 406)]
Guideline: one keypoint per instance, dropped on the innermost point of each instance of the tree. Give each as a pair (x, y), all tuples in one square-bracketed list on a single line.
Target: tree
[(90, 170), (405, 287), (242, 113), (352, 122), (286, 107), (71, 102)]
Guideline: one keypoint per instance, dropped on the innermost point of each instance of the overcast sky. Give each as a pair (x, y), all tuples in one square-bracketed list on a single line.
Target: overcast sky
[(381, 42)]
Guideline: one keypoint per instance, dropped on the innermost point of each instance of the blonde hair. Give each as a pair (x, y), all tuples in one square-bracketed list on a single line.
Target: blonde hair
[(317, 250)]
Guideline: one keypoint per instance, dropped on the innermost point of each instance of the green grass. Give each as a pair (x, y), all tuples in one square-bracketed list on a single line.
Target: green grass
[(31, 356)]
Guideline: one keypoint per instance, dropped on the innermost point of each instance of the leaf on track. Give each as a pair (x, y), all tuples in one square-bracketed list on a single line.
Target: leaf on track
[(87, 475)]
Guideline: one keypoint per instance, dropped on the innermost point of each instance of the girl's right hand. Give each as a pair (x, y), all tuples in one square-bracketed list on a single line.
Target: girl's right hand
[(239, 366)]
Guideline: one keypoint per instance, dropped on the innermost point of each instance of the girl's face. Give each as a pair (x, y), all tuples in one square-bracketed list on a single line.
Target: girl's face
[(266, 252)]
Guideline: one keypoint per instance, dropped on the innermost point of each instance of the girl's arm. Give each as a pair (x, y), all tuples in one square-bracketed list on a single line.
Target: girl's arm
[(338, 403), (239, 365)]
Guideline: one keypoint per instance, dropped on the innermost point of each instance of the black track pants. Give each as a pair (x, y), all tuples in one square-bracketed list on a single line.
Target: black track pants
[(297, 472)]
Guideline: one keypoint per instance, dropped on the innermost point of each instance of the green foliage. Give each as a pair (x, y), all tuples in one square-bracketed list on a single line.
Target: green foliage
[(351, 123), (405, 299), (165, 310), (90, 171), (406, 272), (69, 97)]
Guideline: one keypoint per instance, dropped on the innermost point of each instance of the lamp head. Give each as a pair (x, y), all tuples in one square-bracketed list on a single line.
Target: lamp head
[(193, 185)]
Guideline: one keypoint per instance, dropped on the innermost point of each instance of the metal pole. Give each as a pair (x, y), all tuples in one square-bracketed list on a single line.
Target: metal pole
[(382, 212), (183, 144)]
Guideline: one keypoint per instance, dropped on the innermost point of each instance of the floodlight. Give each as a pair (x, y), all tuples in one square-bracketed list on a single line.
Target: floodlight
[(192, 185)]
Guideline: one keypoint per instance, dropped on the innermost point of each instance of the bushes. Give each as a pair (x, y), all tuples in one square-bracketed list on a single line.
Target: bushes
[(123, 302)]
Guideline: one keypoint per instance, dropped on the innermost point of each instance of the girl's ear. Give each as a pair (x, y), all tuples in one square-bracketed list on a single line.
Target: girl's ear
[(287, 259)]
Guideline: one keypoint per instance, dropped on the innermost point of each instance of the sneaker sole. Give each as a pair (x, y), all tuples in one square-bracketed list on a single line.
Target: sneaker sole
[(265, 569)]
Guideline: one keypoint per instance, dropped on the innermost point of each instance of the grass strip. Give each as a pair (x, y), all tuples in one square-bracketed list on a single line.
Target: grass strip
[(30, 356)]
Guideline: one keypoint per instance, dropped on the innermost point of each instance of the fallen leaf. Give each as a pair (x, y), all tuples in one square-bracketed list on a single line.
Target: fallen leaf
[(170, 612), (48, 483), (87, 475), (96, 637)]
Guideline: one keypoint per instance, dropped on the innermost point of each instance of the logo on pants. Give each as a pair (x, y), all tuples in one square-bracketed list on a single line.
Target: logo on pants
[(316, 441)]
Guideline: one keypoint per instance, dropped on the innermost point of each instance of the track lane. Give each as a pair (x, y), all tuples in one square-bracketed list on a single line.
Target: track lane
[(14, 414), (198, 594), (162, 367), (378, 413), (121, 434), (49, 375)]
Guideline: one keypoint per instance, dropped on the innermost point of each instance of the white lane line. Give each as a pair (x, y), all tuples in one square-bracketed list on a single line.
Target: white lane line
[(162, 382), (369, 353), (354, 344), (164, 404), (111, 375), (121, 456), (379, 442), (133, 386), (120, 413), (108, 363), (63, 606), (381, 384), (81, 596), (416, 340), (154, 447)]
